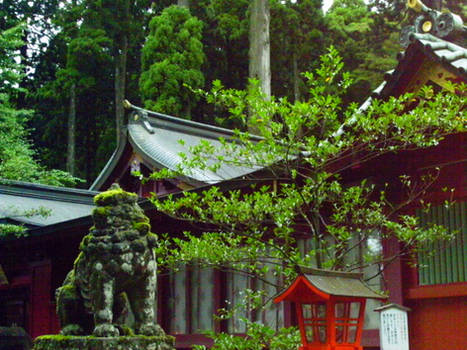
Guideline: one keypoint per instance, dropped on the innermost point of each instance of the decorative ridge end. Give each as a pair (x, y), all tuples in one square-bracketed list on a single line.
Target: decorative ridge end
[(142, 116), (127, 104), (441, 24)]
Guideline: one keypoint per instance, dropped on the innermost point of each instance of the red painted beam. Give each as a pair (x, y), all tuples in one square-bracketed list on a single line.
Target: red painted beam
[(438, 291)]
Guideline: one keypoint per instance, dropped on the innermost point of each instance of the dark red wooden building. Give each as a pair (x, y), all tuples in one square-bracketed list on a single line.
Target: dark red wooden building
[(32, 267)]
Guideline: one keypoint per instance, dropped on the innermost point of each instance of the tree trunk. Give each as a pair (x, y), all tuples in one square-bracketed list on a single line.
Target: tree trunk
[(120, 75), (259, 54), (296, 78), (71, 145), (184, 3)]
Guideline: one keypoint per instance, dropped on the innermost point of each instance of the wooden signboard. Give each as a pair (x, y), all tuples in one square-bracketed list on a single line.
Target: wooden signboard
[(394, 329)]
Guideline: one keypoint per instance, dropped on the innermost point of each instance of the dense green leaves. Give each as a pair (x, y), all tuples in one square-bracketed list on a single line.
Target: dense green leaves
[(257, 337), (367, 40), (17, 157), (171, 62), (304, 150)]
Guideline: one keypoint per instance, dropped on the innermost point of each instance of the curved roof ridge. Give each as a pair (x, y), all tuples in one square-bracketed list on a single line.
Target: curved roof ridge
[(154, 117)]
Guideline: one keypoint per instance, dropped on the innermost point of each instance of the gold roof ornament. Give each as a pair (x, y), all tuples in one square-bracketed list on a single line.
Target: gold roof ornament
[(444, 24), (417, 5), (427, 26)]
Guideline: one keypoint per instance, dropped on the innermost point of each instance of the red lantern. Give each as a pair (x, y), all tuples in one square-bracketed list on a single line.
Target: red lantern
[(330, 307)]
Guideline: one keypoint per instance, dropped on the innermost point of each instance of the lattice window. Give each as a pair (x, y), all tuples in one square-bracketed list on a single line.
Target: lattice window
[(314, 321), (447, 261), (346, 322)]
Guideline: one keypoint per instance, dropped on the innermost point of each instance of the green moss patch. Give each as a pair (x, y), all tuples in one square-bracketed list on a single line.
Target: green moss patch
[(113, 195), (137, 342)]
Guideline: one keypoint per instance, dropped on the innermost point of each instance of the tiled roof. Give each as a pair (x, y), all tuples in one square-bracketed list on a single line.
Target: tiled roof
[(64, 203), (451, 56), (328, 283), (160, 139)]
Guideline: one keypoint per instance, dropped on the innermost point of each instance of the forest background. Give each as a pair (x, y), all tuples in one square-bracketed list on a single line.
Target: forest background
[(75, 61)]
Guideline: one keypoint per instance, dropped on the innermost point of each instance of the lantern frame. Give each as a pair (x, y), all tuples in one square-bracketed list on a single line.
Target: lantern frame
[(330, 308)]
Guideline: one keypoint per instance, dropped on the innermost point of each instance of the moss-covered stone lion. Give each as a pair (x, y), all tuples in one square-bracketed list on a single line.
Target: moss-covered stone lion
[(115, 272)]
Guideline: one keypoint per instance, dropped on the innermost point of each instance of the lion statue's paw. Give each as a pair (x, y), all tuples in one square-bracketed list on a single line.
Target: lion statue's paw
[(106, 330), (151, 329), (72, 329)]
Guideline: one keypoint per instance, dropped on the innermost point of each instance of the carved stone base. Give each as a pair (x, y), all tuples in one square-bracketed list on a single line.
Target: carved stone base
[(137, 342)]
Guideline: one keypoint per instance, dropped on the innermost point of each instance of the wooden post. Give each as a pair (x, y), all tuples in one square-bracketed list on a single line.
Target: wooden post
[(40, 299)]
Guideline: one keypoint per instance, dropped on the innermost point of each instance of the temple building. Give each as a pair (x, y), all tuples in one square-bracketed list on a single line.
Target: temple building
[(32, 267)]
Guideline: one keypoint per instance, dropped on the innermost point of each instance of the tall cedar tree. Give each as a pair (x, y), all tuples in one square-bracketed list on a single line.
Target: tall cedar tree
[(297, 42), (367, 42), (89, 51), (171, 62), (260, 45)]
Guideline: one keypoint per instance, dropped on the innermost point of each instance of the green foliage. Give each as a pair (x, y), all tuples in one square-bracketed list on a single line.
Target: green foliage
[(87, 53), (225, 34), (297, 40), (305, 149), (367, 38), (18, 231), (171, 59), (10, 74), (9, 230), (17, 157), (257, 337)]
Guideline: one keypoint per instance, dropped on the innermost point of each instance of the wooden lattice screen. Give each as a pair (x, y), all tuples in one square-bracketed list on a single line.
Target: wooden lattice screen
[(447, 262)]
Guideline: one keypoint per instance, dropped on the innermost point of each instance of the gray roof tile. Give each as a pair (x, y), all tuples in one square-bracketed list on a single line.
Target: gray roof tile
[(64, 203), (160, 140), (453, 57)]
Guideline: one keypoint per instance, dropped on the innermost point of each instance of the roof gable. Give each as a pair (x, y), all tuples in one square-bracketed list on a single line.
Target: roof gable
[(426, 55), (158, 140), (317, 284)]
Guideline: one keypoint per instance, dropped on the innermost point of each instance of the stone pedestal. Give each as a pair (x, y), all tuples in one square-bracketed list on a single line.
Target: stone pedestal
[(137, 342)]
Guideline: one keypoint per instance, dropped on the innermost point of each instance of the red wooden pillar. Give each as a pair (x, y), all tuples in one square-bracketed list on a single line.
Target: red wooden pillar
[(40, 299), (393, 271)]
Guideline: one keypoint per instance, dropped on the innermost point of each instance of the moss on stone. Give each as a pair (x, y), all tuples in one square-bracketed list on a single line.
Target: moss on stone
[(78, 258), (84, 242), (142, 227), (127, 331), (68, 291), (152, 240), (138, 342), (117, 249), (101, 211), (115, 194)]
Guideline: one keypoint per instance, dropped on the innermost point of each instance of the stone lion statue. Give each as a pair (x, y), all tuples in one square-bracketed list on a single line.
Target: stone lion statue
[(115, 272)]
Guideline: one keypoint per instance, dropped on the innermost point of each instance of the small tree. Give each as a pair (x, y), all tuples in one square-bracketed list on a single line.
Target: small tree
[(171, 59), (303, 152)]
